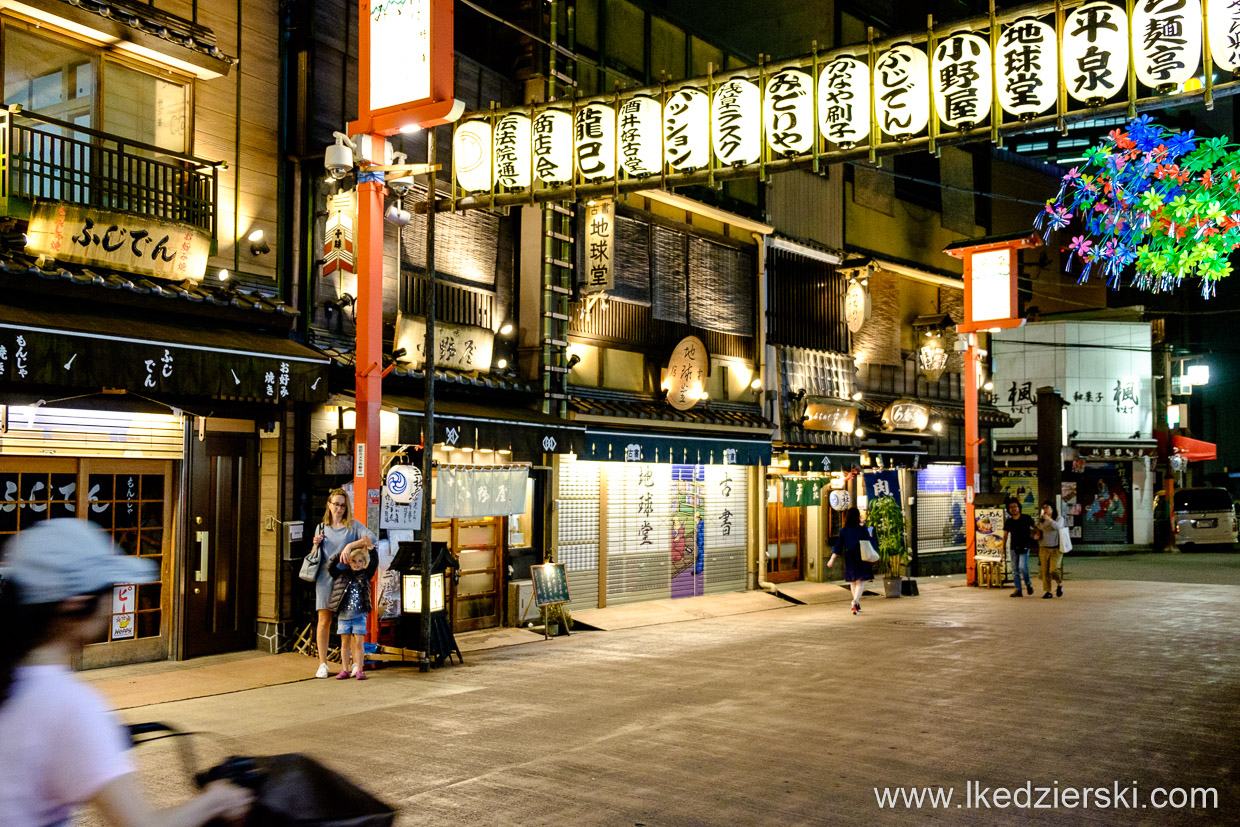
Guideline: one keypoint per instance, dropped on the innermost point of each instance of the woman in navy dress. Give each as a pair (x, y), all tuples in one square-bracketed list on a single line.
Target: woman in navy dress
[(848, 544)]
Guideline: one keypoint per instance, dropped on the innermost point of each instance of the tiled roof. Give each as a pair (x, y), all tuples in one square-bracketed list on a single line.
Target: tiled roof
[(86, 278), (506, 380), (145, 17), (657, 411)]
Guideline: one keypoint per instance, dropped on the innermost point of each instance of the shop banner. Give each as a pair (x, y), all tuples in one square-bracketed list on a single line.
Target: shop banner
[(800, 492), (480, 492), (882, 484)]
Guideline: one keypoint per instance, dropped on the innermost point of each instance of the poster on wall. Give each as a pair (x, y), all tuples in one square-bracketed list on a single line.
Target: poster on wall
[(1020, 485), (1071, 509), (988, 523), (688, 530), (123, 599), (1103, 492)]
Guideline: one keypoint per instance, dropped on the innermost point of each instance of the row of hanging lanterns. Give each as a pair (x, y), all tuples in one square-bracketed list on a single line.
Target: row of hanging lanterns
[(639, 134)]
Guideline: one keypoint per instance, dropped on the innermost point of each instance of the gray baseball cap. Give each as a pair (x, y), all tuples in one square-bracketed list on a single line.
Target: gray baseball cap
[(66, 557)]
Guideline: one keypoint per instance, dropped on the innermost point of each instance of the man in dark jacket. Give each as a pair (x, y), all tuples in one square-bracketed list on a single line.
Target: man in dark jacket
[(1019, 530)]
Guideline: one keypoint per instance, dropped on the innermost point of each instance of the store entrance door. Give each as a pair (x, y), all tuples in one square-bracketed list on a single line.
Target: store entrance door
[(785, 542), (478, 544), (221, 555)]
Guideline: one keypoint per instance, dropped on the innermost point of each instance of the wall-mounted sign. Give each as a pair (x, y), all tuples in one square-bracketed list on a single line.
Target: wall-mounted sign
[(837, 418), (932, 358), (600, 250), (461, 347), (338, 237), (906, 415), (120, 241), (901, 91), (844, 101), (1095, 52), (961, 70), (685, 382), (405, 65), (1026, 63), (856, 306)]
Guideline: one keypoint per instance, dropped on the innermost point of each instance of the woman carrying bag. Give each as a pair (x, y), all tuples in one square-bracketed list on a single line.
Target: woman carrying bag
[(337, 533), (857, 570)]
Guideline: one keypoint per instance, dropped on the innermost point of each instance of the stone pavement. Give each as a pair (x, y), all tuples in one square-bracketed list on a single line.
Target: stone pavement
[(782, 717)]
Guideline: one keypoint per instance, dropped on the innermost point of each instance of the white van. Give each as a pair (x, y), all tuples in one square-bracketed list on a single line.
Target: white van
[(1204, 516)]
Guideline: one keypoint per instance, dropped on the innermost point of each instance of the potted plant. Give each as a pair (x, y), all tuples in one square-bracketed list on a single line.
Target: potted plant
[(555, 616), (887, 519)]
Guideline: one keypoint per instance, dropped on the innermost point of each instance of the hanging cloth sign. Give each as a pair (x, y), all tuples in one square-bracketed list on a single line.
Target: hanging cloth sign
[(600, 251), (798, 493), (844, 101), (882, 484), (1026, 62), (479, 492)]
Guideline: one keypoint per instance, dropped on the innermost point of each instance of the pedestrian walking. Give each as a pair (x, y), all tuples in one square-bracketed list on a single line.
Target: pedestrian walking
[(337, 533), (1019, 529), (848, 545), (352, 572), (63, 748), (1050, 556)]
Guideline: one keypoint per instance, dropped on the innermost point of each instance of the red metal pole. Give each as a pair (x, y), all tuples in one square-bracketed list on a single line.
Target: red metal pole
[(972, 457), (368, 387)]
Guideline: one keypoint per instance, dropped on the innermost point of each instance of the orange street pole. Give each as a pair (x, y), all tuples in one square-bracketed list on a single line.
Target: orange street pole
[(972, 457)]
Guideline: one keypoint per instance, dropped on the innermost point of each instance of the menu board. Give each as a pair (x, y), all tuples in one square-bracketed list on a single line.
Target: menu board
[(989, 531), (550, 584)]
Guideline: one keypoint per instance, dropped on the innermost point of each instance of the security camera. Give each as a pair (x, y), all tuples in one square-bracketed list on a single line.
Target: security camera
[(395, 215), (339, 157), (402, 182)]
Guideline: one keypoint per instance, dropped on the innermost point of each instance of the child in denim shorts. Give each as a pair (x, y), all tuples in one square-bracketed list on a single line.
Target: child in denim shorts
[(351, 573)]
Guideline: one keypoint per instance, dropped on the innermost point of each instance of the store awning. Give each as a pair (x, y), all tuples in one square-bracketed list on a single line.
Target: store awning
[(518, 434), (703, 449), (153, 358), (1193, 450)]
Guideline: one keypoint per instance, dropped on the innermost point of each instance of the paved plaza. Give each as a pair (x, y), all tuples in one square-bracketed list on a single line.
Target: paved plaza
[(792, 714)]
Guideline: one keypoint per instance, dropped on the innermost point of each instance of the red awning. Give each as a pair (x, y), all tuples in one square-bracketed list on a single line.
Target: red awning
[(1193, 449)]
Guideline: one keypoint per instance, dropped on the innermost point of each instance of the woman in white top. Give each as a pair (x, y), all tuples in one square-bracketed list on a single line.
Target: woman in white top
[(337, 534), (1050, 557), (62, 746)]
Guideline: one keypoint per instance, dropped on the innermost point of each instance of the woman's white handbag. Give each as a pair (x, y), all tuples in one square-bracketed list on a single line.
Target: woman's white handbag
[(1065, 542), (868, 554)]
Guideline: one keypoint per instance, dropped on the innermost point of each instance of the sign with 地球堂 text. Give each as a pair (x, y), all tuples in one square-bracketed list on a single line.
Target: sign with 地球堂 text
[(600, 248), (120, 241), (685, 381), (462, 347)]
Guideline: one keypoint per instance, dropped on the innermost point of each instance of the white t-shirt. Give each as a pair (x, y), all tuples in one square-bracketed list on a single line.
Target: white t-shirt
[(61, 745)]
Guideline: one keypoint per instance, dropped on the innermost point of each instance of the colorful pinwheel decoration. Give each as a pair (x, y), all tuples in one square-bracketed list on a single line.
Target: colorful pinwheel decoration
[(1159, 200)]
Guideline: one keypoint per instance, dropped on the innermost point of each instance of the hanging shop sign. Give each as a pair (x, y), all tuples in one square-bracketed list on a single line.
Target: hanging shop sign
[(119, 241), (1223, 23), (512, 151), (479, 491), (461, 347), (598, 275), (736, 122), (552, 146), (882, 484), (837, 418), (338, 237), (687, 369), (799, 493), (1026, 63), (1166, 38), (686, 127), (765, 114), (906, 415), (844, 101), (594, 141), (901, 93), (405, 65), (641, 141), (932, 358), (856, 306), (839, 499), (471, 155), (788, 113), (962, 82), (1095, 52)]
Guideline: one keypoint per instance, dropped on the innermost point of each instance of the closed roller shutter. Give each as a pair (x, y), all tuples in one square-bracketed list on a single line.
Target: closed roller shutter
[(727, 528), (577, 508), (940, 509), (639, 545)]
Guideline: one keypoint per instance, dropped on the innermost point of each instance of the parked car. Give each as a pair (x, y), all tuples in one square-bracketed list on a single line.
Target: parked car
[(1204, 516)]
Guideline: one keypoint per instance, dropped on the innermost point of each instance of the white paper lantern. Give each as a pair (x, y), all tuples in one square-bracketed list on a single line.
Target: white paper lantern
[(594, 141), (1224, 19), (961, 69), (735, 122), (551, 141), (902, 91), (844, 101), (788, 113), (1025, 64), (471, 154), (512, 151), (1166, 42), (686, 123), (1095, 52), (641, 142)]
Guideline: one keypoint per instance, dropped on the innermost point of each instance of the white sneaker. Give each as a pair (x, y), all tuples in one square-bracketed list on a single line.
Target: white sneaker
[(322, 673)]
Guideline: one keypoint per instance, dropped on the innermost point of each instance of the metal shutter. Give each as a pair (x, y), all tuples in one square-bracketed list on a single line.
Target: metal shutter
[(577, 509)]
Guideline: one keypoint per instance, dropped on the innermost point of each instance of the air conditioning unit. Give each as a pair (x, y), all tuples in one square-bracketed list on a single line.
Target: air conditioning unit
[(521, 607)]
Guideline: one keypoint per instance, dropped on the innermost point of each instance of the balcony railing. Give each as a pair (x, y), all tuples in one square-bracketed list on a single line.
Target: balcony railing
[(48, 159)]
